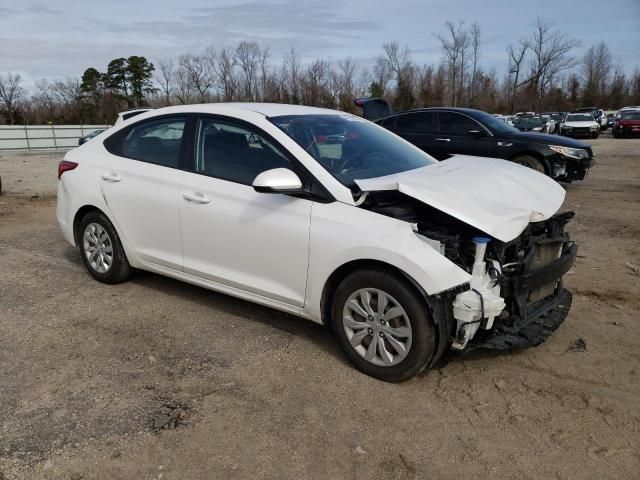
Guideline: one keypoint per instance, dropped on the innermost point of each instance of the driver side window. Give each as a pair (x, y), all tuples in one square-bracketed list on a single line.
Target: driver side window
[(231, 151)]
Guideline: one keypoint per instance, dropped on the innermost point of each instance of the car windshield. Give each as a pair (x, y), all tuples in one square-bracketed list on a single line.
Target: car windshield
[(529, 122), (494, 123), (350, 147), (580, 118), (630, 115)]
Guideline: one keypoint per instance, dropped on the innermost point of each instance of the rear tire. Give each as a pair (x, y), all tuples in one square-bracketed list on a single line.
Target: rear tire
[(531, 162), (397, 328), (101, 249)]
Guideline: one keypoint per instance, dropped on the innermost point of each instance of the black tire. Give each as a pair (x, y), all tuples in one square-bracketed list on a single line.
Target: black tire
[(595, 135), (119, 270), (423, 331), (616, 134), (531, 162)]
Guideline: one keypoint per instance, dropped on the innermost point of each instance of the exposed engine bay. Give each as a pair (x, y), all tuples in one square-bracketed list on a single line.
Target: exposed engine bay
[(515, 298)]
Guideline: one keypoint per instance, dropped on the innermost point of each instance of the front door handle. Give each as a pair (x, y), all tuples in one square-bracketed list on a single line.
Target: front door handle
[(195, 197), (443, 139), (111, 177)]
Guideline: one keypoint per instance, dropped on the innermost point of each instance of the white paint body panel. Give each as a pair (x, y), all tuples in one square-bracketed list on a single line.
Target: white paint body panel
[(278, 250), (499, 197)]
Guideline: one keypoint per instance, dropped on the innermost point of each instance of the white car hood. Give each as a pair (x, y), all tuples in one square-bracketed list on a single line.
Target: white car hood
[(585, 123), (496, 196)]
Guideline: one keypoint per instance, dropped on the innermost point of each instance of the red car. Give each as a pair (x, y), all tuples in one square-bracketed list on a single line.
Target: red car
[(627, 124)]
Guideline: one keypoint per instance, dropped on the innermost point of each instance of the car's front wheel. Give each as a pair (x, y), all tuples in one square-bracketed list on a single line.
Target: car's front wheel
[(383, 325), (595, 134), (101, 249), (531, 162)]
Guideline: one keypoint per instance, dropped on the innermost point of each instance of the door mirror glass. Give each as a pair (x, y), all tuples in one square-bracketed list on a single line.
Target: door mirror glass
[(277, 180)]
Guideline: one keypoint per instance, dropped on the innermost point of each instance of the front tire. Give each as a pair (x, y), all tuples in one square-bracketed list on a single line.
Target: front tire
[(101, 249), (383, 325), (531, 162), (595, 135)]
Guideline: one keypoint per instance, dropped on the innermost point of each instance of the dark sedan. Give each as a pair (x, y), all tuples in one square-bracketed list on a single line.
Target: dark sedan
[(443, 132)]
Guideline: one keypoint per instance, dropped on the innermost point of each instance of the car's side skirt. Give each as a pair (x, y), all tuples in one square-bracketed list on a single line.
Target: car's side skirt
[(228, 290)]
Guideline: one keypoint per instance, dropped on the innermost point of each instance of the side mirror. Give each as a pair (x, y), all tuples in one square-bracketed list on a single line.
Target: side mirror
[(277, 180), (477, 133)]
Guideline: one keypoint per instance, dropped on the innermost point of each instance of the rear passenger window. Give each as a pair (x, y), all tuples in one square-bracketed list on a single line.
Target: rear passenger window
[(155, 141), (420, 121), (232, 152)]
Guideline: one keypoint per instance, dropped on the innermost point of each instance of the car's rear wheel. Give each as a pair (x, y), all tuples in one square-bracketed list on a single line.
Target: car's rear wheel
[(531, 162), (383, 325), (101, 249)]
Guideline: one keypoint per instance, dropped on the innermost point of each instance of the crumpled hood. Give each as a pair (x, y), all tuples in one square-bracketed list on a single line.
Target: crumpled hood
[(496, 196)]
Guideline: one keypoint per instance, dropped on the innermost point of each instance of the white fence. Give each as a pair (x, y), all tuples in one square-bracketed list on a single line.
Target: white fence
[(41, 137)]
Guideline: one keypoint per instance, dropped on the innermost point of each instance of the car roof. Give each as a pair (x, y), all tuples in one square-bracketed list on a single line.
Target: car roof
[(266, 109), (445, 109)]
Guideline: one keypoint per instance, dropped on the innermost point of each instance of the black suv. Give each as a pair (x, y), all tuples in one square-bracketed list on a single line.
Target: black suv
[(443, 132)]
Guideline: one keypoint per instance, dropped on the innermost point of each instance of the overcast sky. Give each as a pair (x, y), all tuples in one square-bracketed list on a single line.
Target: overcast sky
[(62, 38)]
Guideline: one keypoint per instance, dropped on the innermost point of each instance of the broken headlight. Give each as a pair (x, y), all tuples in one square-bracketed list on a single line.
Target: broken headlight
[(577, 153)]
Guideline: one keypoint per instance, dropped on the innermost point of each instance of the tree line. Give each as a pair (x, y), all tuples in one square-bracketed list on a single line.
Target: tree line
[(543, 74)]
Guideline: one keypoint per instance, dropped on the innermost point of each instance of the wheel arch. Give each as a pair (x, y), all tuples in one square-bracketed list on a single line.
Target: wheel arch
[(434, 304), (77, 218), (345, 269), (535, 154)]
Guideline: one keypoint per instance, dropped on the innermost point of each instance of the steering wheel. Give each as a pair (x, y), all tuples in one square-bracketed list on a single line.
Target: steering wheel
[(371, 156)]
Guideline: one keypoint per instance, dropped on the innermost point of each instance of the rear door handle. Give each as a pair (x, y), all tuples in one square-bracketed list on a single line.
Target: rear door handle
[(195, 197), (111, 177), (443, 139)]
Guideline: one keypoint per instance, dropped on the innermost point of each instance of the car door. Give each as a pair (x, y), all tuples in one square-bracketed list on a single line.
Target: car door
[(140, 184), (460, 134), (233, 235), (419, 128)]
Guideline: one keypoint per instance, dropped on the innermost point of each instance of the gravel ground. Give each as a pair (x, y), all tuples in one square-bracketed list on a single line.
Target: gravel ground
[(158, 379)]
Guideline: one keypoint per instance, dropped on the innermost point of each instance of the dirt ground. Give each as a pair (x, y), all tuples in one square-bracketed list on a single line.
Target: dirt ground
[(88, 370)]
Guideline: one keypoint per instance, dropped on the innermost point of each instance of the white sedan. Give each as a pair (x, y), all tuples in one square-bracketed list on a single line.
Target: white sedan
[(329, 217)]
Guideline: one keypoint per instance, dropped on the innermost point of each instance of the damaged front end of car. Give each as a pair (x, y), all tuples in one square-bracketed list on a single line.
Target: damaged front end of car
[(515, 297)]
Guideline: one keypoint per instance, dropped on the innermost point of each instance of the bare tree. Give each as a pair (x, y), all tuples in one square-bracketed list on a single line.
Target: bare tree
[(70, 93), (198, 73), (596, 65), (345, 83), (475, 52), (247, 57), (11, 94), (516, 58), (293, 68), (166, 79), (398, 59), (454, 48), (550, 55), (264, 71), (224, 66), (382, 74), (46, 96)]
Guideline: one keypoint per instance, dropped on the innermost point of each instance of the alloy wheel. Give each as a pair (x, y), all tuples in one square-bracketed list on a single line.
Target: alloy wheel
[(377, 327), (98, 247)]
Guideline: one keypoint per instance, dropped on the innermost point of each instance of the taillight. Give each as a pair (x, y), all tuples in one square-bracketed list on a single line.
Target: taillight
[(65, 166)]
